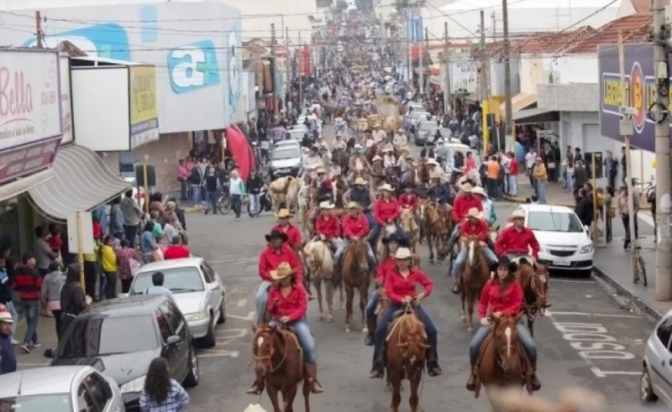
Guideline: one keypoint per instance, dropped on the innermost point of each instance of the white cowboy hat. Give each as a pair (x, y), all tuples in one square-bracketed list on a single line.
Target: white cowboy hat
[(354, 205), (283, 270), (517, 214), (6, 317), (403, 253), (435, 175), (327, 205), (359, 181), (432, 162), (475, 213), (283, 213), (377, 158), (320, 169), (358, 146), (387, 149), (479, 191), (386, 187), (467, 188)]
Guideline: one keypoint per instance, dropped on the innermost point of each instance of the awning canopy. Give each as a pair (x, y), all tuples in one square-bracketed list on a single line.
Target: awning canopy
[(23, 184), (81, 182), (528, 116), (520, 102)]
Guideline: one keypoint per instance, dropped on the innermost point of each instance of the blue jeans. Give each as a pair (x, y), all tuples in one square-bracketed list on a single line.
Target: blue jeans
[(492, 188), (523, 335), (254, 203), (513, 185), (375, 232), (541, 192), (261, 301), (212, 201), (569, 182), (371, 306), (131, 232), (196, 194), (236, 203), (381, 331), (15, 316), (306, 339), (462, 258), (344, 243), (31, 309)]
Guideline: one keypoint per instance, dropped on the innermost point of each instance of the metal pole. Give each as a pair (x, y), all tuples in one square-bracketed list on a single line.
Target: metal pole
[(145, 183), (80, 251), (446, 59), (288, 88), (484, 68), (298, 71), (663, 178), (421, 56), (507, 77), (275, 67)]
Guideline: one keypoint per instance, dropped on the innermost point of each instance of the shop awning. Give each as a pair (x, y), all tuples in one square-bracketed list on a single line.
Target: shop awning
[(520, 102), (23, 184), (81, 182), (528, 116)]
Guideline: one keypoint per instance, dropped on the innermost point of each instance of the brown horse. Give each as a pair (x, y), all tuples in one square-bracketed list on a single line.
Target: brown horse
[(406, 349), (437, 228), (407, 221), (423, 171), (502, 362), (355, 269), (278, 362), (370, 153), (340, 158), (535, 290), (475, 274)]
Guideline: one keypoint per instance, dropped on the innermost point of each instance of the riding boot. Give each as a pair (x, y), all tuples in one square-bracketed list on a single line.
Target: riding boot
[(471, 384), (536, 385), (371, 326), (257, 387), (312, 378), (433, 368), (457, 287), (377, 372)]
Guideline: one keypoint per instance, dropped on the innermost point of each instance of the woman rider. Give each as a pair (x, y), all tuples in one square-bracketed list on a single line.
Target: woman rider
[(287, 305), (400, 285), (387, 263), (502, 295), (386, 211)]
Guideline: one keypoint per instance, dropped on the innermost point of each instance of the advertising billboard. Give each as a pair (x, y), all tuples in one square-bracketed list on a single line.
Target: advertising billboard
[(195, 48), (639, 90), (144, 113)]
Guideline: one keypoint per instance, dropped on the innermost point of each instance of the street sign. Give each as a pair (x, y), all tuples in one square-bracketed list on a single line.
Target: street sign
[(626, 126)]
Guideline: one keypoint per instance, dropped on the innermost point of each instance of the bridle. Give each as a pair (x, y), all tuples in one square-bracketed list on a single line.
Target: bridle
[(270, 356)]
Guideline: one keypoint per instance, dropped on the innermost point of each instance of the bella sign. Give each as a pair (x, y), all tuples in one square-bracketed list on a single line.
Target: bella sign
[(30, 105)]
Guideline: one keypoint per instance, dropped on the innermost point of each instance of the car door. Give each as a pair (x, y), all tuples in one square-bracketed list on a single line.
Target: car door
[(659, 354), (180, 350), (168, 352), (83, 399), (100, 392), (214, 288)]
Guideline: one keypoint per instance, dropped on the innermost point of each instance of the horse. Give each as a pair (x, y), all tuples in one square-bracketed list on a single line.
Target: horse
[(534, 281), (502, 362), (437, 228), (303, 208), (475, 274), (320, 260), (410, 226), (355, 270), (279, 190), (384, 232), (278, 360), (339, 158), (370, 153), (406, 349)]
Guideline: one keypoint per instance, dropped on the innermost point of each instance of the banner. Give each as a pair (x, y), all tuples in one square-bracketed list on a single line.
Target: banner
[(144, 112), (463, 77)]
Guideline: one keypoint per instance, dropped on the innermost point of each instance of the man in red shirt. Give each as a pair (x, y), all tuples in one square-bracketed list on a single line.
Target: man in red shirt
[(473, 226), (408, 198), (355, 228), (464, 201), (513, 175), (277, 252), (517, 239), (176, 250), (469, 163), (386, 211), (327, 225), (294, 238)]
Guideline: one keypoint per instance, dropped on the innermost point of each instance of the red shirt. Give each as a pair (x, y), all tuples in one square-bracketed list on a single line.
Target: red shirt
[(383, 268), (408, 200), (397, 288), (513, 167), (28, 283), (355, 226), (386, 211), (480, 229), (509, 302), (176, 252), (511, 241), (97, 230), (55, 243), (293, 305), (329, 226), (271, 259), (462, 206), (469, 164), (293, 233)]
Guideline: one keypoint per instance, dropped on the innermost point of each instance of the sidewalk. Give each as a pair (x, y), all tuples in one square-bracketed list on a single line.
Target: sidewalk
[(46, 333)]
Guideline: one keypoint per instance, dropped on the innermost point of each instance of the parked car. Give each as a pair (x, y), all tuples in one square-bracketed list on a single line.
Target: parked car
[(197, 290), (422, 131), (416, 115), (565, 244), (656, 379), (285, 161), (59, 389), (445, 134), (295, 134), (123, 336)]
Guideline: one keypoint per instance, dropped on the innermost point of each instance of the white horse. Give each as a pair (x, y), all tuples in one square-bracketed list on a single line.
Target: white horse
[(320, 260)]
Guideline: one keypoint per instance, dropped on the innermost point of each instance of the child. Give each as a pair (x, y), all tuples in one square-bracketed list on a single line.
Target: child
[(55, 241)]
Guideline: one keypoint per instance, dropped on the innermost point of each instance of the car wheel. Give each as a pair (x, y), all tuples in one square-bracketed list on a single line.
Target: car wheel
[(209, 340), (646, 394), (194, 375), (222, 312)]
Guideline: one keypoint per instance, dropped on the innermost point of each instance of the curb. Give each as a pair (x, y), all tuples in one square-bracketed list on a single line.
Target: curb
[(599, 273), (521, 200)]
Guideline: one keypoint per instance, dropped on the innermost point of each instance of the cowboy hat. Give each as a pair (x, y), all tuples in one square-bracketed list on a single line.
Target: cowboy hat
[(276, 234), (377, 158), (283, 213), (359, 181), (358, 146), (479, 191), (403, 253), (387, 149), (394, 237), (326, 205), (432, 162), (475, 213), (506, 262), (386, 187), (467, 188), (435, 175), (354, 205), (517, 214), (283, 270), (6, 317), (319, 170)]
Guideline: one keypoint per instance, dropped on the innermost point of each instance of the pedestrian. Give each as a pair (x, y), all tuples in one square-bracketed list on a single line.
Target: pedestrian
[(610, 212), (50, 293), (254, 185), (196, 180), (541, 178), (584, 208), (132, 214), (492, 176), (236, 192), (148, 242), (73, 299), (110, 266), (624, 211), (162, 393), (211, 187), (6, 290), (171, 228), (42, 251), (116, 219), (7, 355), (530, 159), (158, 256), (580, 177), (28, 282), (183, 175), (569, 173), (176, 250), (513, 175), (127, 262)]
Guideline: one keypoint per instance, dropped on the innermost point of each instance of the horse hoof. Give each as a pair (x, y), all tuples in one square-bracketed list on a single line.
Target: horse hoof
[(320, 317), (347, 330), (330, 319), (463, 319), (470, 329), (365, 330)]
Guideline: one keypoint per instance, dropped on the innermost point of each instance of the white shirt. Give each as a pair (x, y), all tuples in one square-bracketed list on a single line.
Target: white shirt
[(388, 161), (399, 140), (530, 158)]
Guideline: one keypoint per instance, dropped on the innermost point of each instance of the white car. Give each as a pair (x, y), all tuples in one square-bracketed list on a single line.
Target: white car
[(59, 389), (197, 290), (564, 241), (656, 380)]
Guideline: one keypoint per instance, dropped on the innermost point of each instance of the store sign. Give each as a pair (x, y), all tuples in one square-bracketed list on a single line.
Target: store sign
[(193, 66), (463, 77), (30, 100), (25, 160), (144, 112)]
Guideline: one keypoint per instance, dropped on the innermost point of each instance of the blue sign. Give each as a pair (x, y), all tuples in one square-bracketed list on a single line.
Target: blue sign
[(193, 67)]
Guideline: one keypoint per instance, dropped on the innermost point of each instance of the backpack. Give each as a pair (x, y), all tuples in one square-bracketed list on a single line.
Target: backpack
[(195, 178)]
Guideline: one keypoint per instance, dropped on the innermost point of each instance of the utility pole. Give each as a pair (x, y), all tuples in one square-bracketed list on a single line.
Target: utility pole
[(446, 58), (39, 35), (288, 67), (493, 18), (275, 67), (507, 79), (409, 46), (662, 133), (299, 72), (422, 61), (484, 67)]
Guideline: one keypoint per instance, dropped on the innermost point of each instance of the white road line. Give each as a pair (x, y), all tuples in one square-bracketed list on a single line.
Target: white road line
[(213, 353), (33, 364), (602, 315), (250, 316), (603, 374), (571, 281), (241, 303)]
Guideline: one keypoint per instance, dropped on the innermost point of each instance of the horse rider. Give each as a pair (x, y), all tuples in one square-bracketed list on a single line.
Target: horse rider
[(386, 211), (355, 227), (362, 194), (464, 201), (400, 284), (438, 192), (387, 263), (435, 168), (489, 213), (388, 157), (377, 169), (427, 152), (339, 143), (474, 225), (502, 295), (444, 155), (294, 238), (408, 199), (328, 226), (313, 158), (399, 138), (357, 162), (276, 252), (405, 164), (287, 306), (517, 239)]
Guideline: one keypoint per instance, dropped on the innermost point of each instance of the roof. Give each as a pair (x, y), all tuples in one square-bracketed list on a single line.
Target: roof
[(40, 381), (641, 6), (545, 208), (128, 306), (635, 28), (548, 43), (171, 264)]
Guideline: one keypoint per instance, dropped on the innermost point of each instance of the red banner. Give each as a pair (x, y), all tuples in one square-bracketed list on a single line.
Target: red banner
[(24, 160), (305, 61)]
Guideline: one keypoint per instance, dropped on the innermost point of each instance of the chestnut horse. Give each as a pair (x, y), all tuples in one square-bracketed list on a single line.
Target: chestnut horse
[(475, 274), (502, 362), (278, 362), (406, 349), (355, 270), (437, 228), (535, 290)]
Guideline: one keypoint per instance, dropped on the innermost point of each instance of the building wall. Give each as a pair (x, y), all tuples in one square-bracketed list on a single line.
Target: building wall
[(497, 77), (531, 73), (569, 97)]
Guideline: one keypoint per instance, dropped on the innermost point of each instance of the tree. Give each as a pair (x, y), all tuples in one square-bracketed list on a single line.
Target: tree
[(399, 5), (341, 5)]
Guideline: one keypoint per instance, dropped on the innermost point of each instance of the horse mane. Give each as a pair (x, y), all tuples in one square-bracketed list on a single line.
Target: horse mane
[(354, 252), (525, 273), (412, 337)]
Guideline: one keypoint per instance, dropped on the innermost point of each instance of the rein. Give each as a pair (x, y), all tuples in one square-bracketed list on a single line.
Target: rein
[(282, 361)]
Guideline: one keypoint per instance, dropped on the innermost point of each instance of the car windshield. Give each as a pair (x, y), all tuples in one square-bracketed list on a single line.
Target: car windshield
[(285, 154), (419, 114), (178, 280), (296, 134), (426, 125), (57, 402), (90, 336), (554, 222)]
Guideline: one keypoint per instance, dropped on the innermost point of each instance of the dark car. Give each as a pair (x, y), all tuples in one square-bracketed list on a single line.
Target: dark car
[(121, 337)]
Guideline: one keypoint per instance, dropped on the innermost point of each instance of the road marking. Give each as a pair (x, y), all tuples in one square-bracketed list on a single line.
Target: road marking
[(250, 316), (603, 315), (33, 364), (603, 374), (571, 281), (241, 303), (230, 334), (218, 353)]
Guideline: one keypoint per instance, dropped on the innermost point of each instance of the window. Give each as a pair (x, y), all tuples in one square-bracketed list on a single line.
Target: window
[(84, 400), (170, 312), (664, 332), (210, 275), (554, 222), (164, 327), (179, 280), (99, 390), (39, 403), (286, 154)]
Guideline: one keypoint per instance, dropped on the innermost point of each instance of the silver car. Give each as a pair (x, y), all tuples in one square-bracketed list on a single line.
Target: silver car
[(656, 380), (197, 290), (59, 389)]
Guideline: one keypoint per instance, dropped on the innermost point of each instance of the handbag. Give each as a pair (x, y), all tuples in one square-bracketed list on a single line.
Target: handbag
[(551, 165)]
